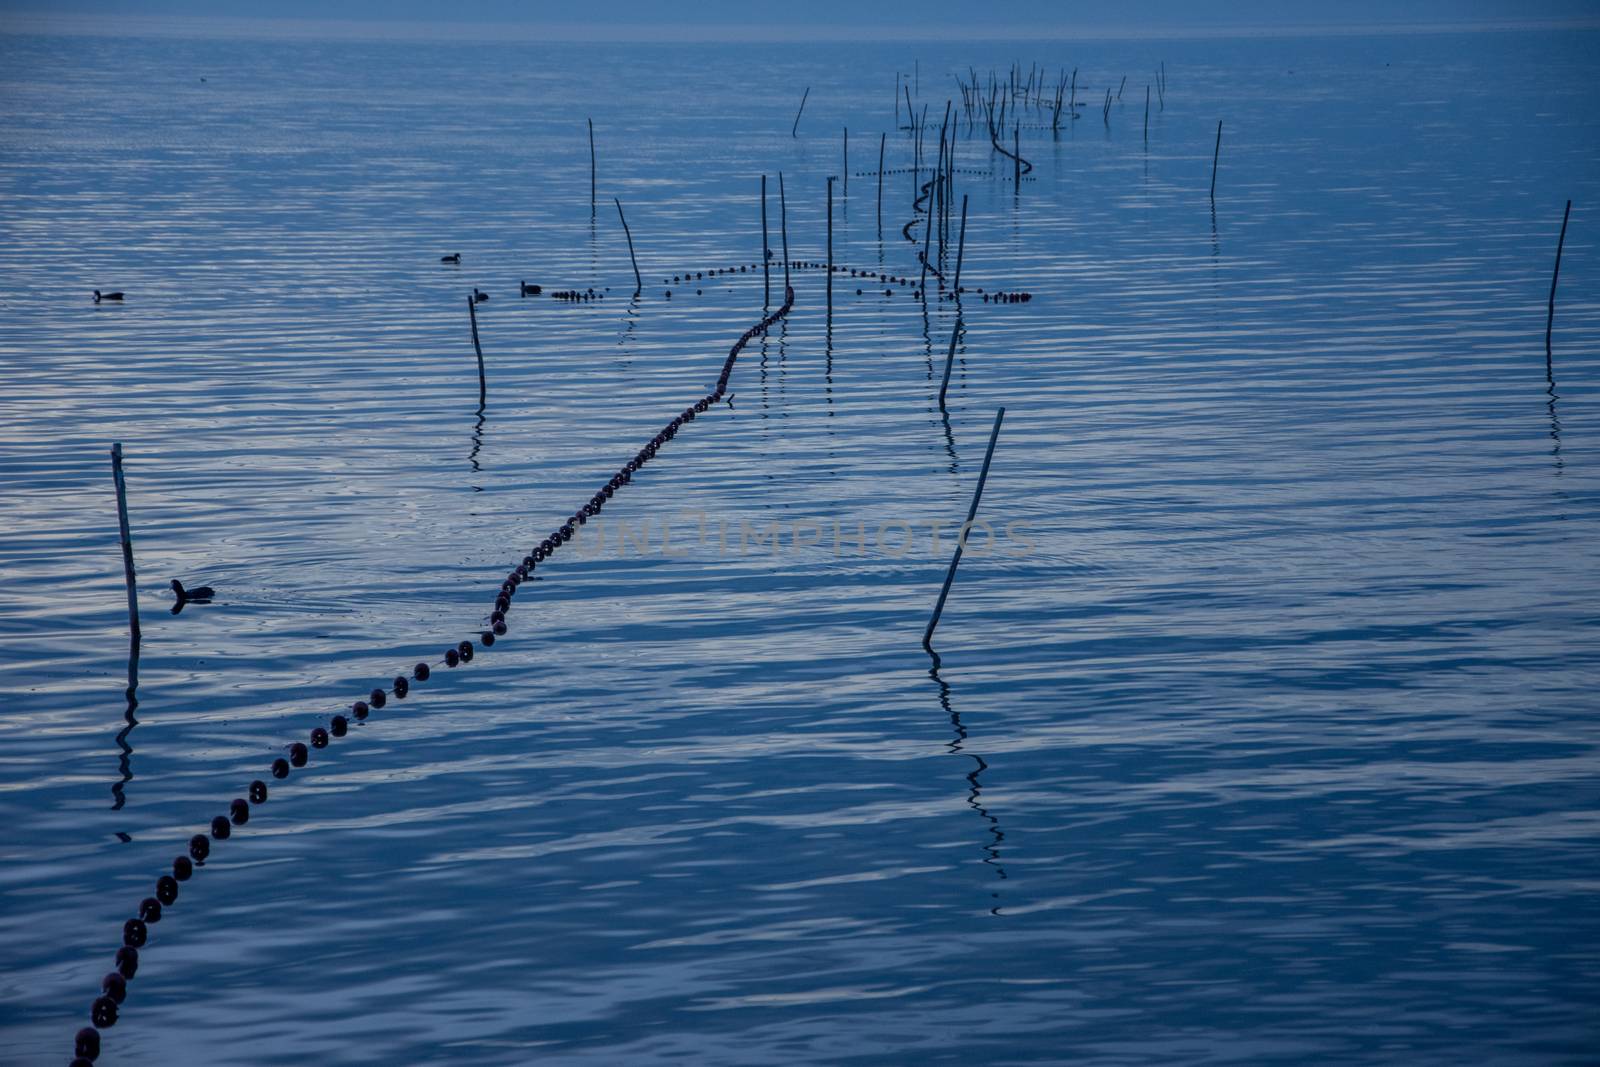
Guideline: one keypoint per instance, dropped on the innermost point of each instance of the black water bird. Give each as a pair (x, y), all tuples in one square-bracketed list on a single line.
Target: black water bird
[(531, 290), (479, 296), (201, 595), (452, 258), (99, 296)]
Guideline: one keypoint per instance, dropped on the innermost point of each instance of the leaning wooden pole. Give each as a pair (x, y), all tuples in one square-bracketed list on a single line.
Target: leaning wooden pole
[(830, 244), (882, 140), (961, 249), (783, 230), (1215, 152), (1550, 320), (795, 132), (961, 539), (483, 385), (949, 361), (766, 253), (591, 169), (127, 541), (638, 282)]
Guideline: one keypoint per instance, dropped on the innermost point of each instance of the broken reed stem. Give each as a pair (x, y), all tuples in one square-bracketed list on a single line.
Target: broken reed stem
[(1550, 320), (1215, 152), (472, 315), (949, 361), (1123, 86), (972, 512), (783, 229), (883, 139), (127, 540), (766, 253), (795, 132), (591, 169), (961, 248), (638, 282)]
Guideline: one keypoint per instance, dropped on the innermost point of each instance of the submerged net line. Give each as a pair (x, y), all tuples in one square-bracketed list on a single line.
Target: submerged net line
[(103, 1012)]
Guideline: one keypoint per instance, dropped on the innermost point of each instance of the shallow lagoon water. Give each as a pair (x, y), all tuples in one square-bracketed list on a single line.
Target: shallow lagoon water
[(1279, 743)]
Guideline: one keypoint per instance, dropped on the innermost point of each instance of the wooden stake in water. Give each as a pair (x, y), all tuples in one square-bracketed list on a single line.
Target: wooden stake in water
[(927, 245), (972, 512), (846, 169), (638, 282), (961, 248), (830, 244), (1147, 116), (591, 168), (127, 540), (1214, 154), (783, 229), (795, 132), (949, 361), (1016, 152), (766, 253), (1550, 321), (882, 140), (472, 315)]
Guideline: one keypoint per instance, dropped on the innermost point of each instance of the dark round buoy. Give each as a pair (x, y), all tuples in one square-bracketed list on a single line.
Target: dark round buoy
[(104, 1012), (420, 672), (339, 726), (669, 294), (280, 768), (359, 709), (166, 889), (134, 933), (239, 811), (466, 651), (199, 848), (400, 686), (378, 698), (182, 868), (501, 603), (150, 910), (451, 657), (87, 1043), (499, 628), (497, 616), (114, 986), (486, 639), (220, 829), (319, 737), (298, 754), (258, 792), (127, 961)]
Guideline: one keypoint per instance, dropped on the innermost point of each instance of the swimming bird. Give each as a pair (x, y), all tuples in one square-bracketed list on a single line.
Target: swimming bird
[(478, 295), (452, 258), (531, 290), (99, 296), (204, 592)]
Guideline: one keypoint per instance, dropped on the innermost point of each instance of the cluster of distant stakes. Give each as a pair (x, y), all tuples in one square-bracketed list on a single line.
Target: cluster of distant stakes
[(690, 277)]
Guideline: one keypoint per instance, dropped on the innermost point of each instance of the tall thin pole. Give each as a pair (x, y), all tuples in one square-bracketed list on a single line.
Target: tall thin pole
[(127, 540), (1147, 116), (472, 314), (949, 361), (1214, 154), (830, 243), (927, 246), (591, 168), (783, 228), (846, 169), (766, 253), (972, 512), (882, 140), (961, 247), (795, 132), (1550, 321), (638, 282)]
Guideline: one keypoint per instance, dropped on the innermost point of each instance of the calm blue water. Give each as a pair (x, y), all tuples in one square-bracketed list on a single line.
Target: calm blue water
[(1279, 744)]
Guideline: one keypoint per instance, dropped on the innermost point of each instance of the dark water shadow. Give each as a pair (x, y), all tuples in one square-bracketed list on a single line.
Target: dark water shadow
[(957, 746), (125, 761)]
